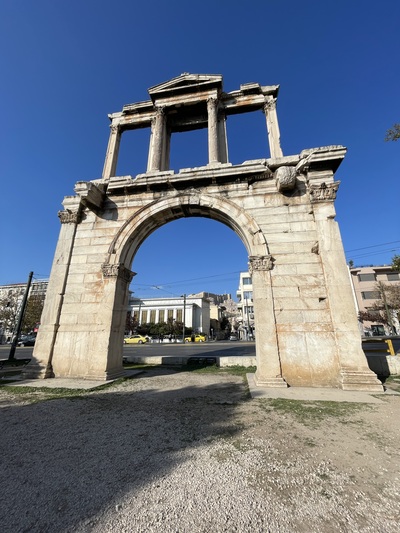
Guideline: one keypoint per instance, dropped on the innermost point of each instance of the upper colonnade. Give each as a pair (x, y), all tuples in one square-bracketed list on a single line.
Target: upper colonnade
[(189, 102)]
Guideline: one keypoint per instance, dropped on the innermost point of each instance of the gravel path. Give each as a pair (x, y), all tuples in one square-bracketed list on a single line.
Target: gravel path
[(189, 452)]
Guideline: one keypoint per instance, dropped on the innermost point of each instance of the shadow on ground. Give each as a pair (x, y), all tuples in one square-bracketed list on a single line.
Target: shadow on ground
[(66, 460)]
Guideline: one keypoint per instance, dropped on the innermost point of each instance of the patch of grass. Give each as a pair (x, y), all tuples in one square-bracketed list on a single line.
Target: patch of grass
[(41, 394), (239, 370), (311, 413), (391, 382)]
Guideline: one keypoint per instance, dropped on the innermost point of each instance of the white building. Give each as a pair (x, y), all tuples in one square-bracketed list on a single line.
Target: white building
[(193, 311), (15, 293)]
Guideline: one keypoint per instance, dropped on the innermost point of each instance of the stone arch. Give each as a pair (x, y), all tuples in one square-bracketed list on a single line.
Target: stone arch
[(281, 208), (190, 204)]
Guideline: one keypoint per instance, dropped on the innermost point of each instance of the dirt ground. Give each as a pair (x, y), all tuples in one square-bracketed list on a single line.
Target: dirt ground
[(191, 451)]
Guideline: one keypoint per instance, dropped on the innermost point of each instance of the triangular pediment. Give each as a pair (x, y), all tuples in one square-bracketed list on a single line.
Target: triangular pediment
[(186, 83)]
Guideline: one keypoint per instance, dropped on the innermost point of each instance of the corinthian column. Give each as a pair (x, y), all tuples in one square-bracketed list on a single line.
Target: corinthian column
[(157, 143), (272, 127), (110, 164), (212, 109)]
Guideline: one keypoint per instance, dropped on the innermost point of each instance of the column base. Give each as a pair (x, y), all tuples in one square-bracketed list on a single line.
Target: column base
[(276, 382), (360, 381), (38, 371)]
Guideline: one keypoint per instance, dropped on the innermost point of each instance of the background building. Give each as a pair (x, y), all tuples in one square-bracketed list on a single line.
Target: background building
[(11, 297), (372, 288), (245, 318), (193, 311)]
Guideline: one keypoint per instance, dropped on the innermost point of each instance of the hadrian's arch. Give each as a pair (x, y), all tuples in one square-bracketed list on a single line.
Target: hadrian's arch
[(281, 207)]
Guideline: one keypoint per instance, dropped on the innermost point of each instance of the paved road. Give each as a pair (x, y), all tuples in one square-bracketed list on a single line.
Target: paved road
[(209, 349)]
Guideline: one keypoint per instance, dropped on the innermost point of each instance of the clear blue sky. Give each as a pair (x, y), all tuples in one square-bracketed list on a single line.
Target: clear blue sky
[(66, 64)]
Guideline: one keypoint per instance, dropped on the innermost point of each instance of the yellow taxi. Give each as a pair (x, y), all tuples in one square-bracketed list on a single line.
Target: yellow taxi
[(196, 338), (135, 339)]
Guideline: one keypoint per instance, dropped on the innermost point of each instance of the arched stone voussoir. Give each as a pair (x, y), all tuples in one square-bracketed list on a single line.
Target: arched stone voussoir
[(143, 222)]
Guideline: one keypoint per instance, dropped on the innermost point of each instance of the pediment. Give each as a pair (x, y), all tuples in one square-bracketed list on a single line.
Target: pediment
[(186, 84)]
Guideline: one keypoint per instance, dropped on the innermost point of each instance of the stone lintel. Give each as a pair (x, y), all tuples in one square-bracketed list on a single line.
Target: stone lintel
[(210, 173), (364, 380)]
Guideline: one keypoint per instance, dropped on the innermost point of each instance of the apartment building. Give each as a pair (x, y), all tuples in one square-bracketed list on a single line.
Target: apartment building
[(245, 307), (366, 282)]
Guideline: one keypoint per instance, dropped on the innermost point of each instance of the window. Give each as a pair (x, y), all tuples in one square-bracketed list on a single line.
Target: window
[(136, 316), (161, 315), (370, 295), (248, 295), (366, 277), (144, 317), (153, 316), (170, 314), (393, 276), (246, 281), (179, 315)]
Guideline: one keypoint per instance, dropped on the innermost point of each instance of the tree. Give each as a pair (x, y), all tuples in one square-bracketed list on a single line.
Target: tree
[(9, 308), (33, 312), (387, 306), (396, 263), (393, 134)]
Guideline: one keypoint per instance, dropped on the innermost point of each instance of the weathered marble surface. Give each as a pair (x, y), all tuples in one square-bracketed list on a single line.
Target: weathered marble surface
[(281, 207)]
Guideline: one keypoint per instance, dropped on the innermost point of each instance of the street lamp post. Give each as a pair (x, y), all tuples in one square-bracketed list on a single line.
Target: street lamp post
[(248, 320), (20, 318), (184, 317)]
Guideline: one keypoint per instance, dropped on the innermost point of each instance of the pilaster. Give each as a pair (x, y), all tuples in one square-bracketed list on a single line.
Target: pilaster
[(269, 372), (354, 371), (41, 367)]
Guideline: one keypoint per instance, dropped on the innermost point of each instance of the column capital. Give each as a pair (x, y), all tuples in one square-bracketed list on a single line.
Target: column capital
[(118, 270), (324, 192), (69, 217), (260, 262), (160, 110), (269, 104)]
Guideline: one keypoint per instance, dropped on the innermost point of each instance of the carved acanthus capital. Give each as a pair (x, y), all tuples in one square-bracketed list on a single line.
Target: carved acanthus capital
[(117, 271), (160, 110), (323, 192), (69, 217), (260, 262), (269, 104)]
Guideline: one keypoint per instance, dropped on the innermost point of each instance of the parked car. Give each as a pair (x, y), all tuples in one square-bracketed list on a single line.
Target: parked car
[(135, 339), (196, 338), (26, 340)]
